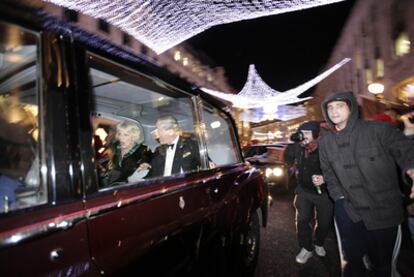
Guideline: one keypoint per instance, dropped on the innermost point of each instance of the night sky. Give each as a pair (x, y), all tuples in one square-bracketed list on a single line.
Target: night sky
[(287, 49)]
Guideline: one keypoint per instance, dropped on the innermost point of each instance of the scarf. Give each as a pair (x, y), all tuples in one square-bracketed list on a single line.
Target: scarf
[(310, 147)]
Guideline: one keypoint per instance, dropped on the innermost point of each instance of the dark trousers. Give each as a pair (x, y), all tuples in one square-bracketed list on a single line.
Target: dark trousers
[(306, 205), (357, 242)]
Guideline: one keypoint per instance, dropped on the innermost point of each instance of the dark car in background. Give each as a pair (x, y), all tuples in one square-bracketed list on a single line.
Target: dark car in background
[(268, 158), (62, 90)]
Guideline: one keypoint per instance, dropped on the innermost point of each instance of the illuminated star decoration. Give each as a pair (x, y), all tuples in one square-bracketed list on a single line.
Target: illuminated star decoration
[(256, 93), (162, 24)]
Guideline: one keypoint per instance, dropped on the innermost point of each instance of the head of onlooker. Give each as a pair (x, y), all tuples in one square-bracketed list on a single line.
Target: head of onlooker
[(310, 131), (390, 115), (340, 109)]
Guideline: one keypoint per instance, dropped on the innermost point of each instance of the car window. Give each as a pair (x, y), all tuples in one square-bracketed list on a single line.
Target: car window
[(254, 151), (222, 147), (127, 104), (20, 182)]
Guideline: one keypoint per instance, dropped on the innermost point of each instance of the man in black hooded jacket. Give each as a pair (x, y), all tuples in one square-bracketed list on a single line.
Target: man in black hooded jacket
[(311, 200), (358, 160)]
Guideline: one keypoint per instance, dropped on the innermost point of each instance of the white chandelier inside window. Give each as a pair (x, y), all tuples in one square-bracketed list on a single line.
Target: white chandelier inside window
[(162, 24), (256, 93)]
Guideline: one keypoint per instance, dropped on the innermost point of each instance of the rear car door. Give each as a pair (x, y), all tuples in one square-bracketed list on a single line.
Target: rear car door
[(42, 221), (138, 224)]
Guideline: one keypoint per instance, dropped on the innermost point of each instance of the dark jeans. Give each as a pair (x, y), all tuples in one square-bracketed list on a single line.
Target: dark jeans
[(306, 204), (357, 242)]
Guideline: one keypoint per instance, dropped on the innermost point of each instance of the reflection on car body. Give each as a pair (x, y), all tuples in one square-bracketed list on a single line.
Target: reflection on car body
[(62, 92), (268, 158)]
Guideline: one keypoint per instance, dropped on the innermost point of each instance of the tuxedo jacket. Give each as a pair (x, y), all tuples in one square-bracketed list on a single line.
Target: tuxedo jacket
[(186, 158)]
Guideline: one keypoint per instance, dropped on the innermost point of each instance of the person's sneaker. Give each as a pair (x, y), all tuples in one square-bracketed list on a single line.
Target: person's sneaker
[(303, 256), (320, 251)]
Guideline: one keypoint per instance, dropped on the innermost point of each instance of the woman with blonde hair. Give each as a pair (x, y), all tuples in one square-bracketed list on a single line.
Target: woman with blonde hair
[(129, 152)]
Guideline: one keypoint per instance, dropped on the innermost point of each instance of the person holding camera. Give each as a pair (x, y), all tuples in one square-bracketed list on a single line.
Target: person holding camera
[(311, 193)]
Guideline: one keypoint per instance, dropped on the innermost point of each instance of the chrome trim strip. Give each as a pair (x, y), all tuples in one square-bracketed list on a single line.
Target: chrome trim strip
[(93, 212), (15, 236)]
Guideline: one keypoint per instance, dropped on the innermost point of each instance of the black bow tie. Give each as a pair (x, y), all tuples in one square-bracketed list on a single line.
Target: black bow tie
[(171, 146)]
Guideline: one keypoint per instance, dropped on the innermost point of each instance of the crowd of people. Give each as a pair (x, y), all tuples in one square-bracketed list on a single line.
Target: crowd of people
[(350, 174)]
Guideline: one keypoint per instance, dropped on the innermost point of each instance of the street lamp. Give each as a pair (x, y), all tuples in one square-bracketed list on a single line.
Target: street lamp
[(376, 88)]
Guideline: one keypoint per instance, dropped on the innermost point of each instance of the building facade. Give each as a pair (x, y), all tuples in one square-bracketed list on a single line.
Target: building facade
[(377, 37)]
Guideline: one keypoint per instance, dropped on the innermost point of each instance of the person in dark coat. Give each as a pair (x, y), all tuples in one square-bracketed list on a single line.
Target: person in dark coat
[(176, 154), (311, 194), (129, 152), (358, 161), (392, 116)]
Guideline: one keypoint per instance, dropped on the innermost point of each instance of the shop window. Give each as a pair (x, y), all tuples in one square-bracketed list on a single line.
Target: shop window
[(103, 25), (71, 15), (368, 76), (379, 64), (126, 39), (399, 20), (402, 44)]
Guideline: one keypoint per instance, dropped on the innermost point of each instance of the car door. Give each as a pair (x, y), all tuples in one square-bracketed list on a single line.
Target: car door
[(137, 225), (42, 220), (134, 229)]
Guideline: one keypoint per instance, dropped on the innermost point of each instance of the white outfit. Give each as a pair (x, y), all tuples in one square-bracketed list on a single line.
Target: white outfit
[(169, 158)]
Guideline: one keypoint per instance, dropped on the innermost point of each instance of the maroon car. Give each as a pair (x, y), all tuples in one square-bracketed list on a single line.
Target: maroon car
[(63, 91)]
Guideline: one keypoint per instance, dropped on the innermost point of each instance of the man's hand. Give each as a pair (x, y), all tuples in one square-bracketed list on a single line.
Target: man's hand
[(317, 180), (410, 172)]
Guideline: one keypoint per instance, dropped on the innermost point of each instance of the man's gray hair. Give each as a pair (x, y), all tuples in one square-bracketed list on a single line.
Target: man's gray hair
[(168, 122)]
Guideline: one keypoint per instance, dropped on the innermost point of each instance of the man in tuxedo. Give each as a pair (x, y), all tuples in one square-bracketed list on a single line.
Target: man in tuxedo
[(176, 154)]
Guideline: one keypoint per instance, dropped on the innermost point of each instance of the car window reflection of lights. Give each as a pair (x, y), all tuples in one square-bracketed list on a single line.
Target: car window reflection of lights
[(43, 169), (215, 124), (16, 238), (63, 224)]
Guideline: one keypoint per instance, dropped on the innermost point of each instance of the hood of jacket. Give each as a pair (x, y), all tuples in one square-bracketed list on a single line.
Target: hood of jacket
[(341, 96)]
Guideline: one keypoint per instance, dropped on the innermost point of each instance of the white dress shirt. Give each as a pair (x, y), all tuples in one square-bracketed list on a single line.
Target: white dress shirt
[(169, 157)]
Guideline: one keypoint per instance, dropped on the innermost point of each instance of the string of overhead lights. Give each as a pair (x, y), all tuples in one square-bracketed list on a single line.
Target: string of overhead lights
[(162, 24), (256, 93)]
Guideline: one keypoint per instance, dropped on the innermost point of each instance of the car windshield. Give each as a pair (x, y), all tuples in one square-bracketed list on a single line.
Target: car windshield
[(254, 151)]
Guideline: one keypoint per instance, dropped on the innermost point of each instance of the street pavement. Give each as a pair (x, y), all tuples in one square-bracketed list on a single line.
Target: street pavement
[(279, 247)]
